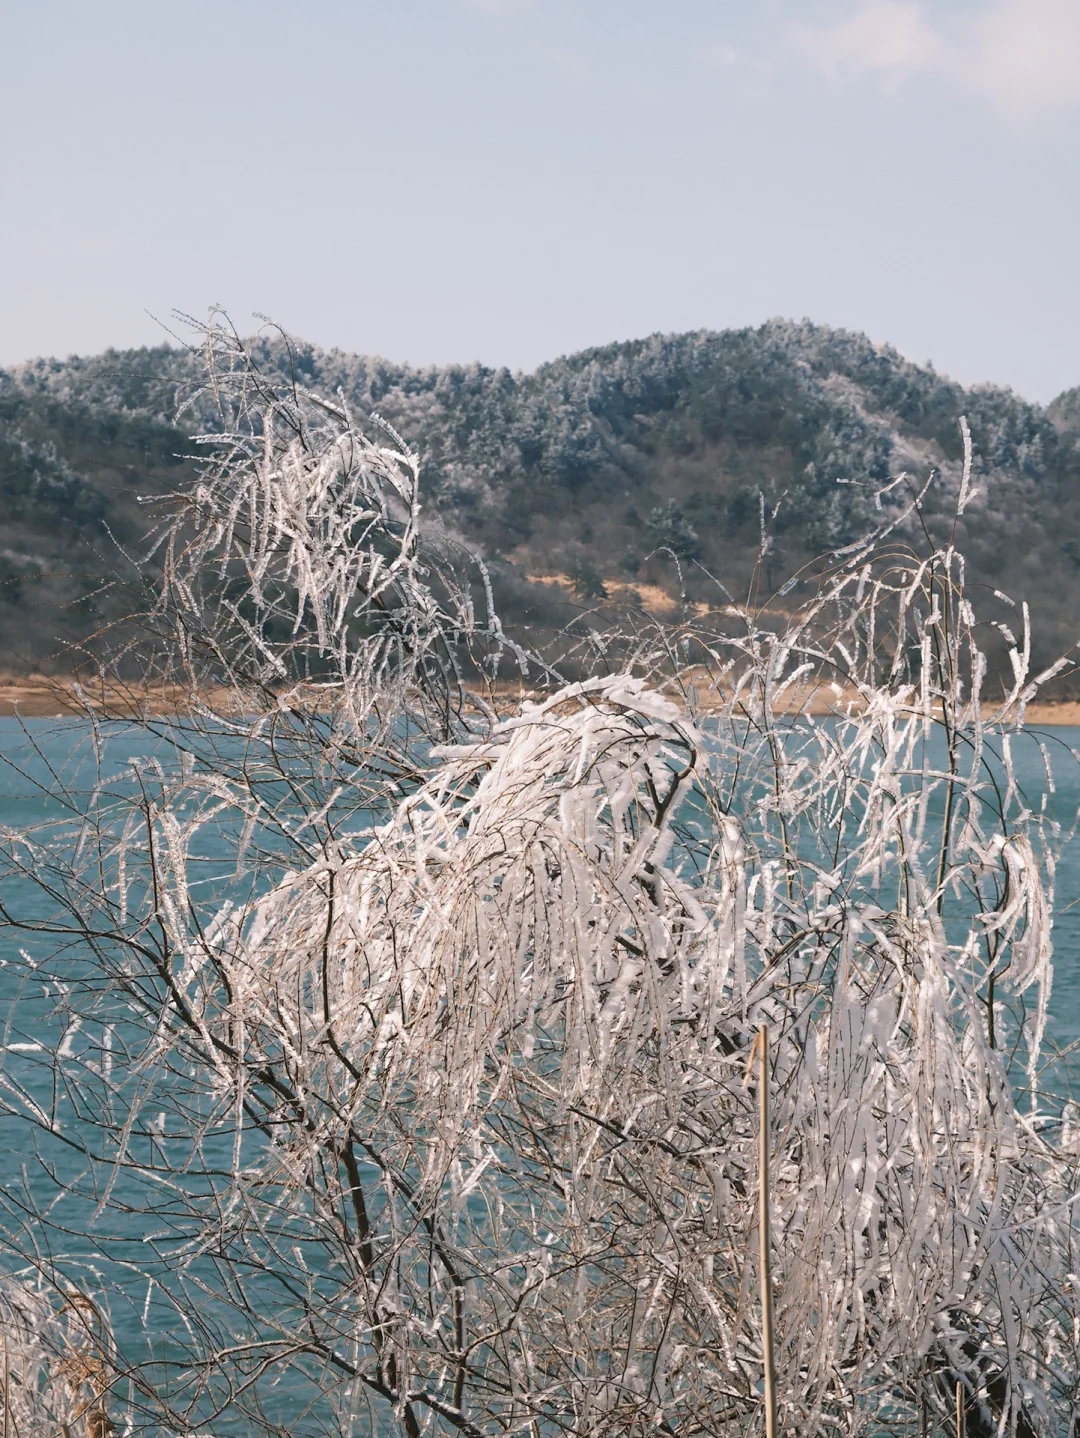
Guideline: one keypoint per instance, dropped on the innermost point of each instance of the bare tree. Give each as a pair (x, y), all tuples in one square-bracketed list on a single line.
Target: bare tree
[(411, 1034)]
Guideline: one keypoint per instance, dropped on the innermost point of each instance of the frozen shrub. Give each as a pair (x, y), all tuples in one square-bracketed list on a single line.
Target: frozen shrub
[(454, 1055)]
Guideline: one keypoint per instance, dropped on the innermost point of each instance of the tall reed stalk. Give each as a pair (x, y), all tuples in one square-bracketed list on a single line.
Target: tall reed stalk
[(761, 1049)]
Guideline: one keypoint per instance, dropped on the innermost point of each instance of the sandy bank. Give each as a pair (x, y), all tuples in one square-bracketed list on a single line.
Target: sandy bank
[(42, 697)]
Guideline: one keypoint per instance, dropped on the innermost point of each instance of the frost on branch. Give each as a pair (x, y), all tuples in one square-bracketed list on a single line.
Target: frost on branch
[(444, 1091), (53, 1378), (297, 571), (528, 1000)]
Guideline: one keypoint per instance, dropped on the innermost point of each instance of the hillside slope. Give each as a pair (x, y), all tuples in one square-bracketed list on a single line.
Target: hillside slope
[(635, 471)]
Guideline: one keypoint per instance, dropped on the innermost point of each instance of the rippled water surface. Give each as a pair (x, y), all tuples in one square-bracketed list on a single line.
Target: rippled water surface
[(30, 794)]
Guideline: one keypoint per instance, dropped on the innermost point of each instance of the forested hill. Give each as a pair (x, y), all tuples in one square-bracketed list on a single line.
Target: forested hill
[(568, 478)]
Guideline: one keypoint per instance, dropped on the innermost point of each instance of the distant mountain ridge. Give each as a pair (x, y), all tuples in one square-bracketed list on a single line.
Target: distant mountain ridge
[(589, 474)]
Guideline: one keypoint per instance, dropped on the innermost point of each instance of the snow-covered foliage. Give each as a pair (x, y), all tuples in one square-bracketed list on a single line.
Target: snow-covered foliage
[(801, 404), (633, 449), (53, 1376), (297, 567), (442, 1086)]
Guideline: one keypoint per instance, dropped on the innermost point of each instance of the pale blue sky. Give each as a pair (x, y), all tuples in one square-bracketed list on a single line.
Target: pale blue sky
[(509, 180)]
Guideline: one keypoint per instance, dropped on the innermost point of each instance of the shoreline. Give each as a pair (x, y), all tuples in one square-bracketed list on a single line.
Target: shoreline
[(41, 697)]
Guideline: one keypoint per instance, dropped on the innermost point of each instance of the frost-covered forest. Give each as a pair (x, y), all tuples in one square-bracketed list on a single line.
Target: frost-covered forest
[(629, 475)]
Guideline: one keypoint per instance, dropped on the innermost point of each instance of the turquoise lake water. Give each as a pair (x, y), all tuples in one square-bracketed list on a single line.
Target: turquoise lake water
[(28, 796)]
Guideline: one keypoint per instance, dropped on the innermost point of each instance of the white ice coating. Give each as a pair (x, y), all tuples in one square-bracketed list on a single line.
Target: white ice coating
[(534, 988), (54, 1361), (495, 1047)]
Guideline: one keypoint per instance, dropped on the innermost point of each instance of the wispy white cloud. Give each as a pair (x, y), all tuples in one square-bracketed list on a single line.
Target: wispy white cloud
[(1024, 56), (725, 56), (891, 39), (569, 64), (1021, 56), (498, 7)]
